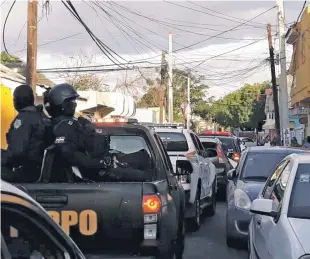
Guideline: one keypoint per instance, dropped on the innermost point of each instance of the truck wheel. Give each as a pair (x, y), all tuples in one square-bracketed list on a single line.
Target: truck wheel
[(210, 211), (195, 222)]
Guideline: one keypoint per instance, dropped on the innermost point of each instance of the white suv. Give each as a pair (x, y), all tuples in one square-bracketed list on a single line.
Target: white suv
[(200, 186)]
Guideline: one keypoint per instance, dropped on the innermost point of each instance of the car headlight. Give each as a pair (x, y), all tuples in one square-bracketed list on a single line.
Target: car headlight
[(305, 257), (242, 200)]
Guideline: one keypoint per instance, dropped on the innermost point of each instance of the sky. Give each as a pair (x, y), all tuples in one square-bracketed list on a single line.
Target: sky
[(212, 38)]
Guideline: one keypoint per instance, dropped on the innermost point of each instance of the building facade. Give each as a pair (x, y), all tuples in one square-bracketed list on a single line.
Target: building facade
[(299, 37)]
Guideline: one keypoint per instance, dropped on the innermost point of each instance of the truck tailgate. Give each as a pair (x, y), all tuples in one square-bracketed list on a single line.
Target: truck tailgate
[(104, 215)]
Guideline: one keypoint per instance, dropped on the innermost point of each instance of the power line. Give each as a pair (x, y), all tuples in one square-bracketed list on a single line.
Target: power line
[(227, 14), (104, 48), (194, 44), (4, 25), (303, 7)]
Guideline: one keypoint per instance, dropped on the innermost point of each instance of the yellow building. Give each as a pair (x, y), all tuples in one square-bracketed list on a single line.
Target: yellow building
[(299, 36)]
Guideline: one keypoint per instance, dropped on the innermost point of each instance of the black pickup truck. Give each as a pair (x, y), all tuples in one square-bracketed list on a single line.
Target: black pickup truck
[(136, 210)]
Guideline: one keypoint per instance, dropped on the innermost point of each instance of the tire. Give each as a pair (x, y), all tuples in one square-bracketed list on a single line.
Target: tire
[(211, 210), (195, 222)]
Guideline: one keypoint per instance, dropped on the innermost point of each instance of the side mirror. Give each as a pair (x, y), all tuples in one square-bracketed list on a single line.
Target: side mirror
[(263, 207), (183, 167), (231, 174)]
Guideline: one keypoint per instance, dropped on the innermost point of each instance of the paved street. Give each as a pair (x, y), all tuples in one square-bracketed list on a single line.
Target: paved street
[(209, 242)]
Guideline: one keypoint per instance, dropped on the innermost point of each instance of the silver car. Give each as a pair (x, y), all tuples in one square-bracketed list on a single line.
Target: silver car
[(245, 183), (280, 226)]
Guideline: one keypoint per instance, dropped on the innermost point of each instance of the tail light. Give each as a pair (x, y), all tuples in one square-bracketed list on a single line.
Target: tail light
[(220, 154), (236, 156), (151, 205)]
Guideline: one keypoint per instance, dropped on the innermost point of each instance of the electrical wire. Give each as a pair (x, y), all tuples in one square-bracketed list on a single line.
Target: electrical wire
[(303, 7), (206, 8), (194, 44), (4, 25), (104, 48)]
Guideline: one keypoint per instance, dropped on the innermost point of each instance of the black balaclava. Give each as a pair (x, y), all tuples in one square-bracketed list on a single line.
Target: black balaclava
[(68, 107), (23, 97)]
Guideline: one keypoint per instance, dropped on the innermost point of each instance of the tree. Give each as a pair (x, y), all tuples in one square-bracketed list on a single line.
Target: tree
[(83, 81), (243, 108), (5, 58), (199, 101)]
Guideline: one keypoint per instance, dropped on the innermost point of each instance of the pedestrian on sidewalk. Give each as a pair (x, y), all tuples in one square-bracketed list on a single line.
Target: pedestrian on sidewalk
[(307, 144)]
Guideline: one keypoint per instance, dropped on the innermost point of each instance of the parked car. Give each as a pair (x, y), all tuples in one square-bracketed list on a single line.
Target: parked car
[(28, 231), (222, 165), (200, 186), (245, 183), (280, 226)]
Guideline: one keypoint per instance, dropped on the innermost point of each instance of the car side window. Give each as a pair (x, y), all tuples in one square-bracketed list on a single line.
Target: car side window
[(199, 143), (272, 180), (280, 186), (194, 141), (164, 154), (25, 237)]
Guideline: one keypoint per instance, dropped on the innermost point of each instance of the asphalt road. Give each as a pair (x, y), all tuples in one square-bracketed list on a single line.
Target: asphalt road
[(209, 242)]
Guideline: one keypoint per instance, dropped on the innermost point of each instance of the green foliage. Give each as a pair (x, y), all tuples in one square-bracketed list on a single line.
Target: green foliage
[(199, 103), (243, 108), (5, 58)]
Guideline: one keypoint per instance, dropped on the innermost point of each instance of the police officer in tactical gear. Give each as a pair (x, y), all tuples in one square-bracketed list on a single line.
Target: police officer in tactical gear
[(69, 131), (26, 139)]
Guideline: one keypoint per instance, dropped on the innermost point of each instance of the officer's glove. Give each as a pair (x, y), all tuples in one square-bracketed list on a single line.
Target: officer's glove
[(117, 163)]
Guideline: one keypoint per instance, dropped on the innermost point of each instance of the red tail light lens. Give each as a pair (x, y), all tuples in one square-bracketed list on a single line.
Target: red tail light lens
[(236, 156), (219, 154), (151, 204)]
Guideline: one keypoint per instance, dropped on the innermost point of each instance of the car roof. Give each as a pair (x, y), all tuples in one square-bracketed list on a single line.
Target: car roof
[(168, 130), (276, 149), (303, 158), (207, 139)]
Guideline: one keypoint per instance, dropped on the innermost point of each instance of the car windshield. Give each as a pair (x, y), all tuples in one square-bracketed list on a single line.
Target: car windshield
[(299, 203), (208, 144), (228, 144), (174, 141), (258, 166)]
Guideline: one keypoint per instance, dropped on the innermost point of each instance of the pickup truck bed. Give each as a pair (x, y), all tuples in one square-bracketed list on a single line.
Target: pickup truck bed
[(120, 218)]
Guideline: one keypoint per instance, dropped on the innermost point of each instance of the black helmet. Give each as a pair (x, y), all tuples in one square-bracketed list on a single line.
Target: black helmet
[(59, 93)]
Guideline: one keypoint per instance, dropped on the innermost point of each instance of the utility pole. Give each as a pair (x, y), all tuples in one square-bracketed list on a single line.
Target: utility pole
[(31, 74), (283, 93), (274, 81), (188, 108), (163, 73), (170, 91)]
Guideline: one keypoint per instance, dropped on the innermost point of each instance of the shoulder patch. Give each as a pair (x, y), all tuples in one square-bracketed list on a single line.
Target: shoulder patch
[(17, 123), (60, 140), (70, 122)]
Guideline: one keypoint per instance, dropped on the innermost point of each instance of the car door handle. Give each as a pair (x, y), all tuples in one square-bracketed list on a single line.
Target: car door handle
[(52, 200)]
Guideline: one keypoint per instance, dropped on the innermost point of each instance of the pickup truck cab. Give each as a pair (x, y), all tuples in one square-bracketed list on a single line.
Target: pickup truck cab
[(129, 211), (201, 186)]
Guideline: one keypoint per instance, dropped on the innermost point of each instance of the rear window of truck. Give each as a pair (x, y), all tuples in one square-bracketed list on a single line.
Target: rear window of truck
[(174, 141)]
